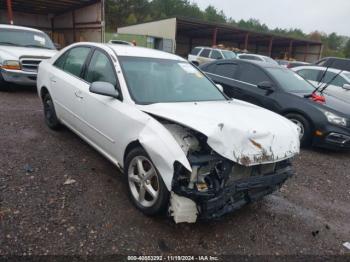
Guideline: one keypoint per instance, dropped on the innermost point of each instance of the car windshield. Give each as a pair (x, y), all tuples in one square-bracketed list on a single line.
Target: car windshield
[(228, 54), (290, 81), (153, 80), (25, 38)]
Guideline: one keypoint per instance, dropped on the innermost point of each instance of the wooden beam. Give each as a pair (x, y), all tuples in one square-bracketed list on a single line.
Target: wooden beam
[(215, 34), (9, 11), (74, 31), (246, 41), (270, 46), (306, 52), (290, 50)]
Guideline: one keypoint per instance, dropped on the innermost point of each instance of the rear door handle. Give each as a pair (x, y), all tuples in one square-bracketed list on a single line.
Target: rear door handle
[(53, 80)]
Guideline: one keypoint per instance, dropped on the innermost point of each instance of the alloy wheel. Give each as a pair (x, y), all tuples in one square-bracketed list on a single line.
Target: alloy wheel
[(143, 181)]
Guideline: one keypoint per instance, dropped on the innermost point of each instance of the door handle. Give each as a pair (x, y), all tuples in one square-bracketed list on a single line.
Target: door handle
[(53, 80), (78, 95)]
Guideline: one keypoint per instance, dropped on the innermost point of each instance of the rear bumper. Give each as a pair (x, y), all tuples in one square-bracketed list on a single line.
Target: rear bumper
[(19, 77), (237, 194)]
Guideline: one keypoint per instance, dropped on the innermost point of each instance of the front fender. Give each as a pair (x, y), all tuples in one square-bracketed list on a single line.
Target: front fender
[(162, 149)]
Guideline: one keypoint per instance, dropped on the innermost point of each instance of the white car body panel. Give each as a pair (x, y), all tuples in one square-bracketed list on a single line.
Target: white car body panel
[(247, 143), (239, 131)]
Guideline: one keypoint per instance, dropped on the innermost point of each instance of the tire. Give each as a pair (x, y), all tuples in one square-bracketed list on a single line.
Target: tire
[(306, 130), (146, 188), (51, 119)]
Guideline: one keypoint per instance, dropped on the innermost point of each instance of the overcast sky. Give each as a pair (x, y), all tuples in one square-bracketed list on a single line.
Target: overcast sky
[(309, 15)]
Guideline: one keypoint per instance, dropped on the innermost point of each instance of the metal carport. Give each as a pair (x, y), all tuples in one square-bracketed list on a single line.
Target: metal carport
[(66, 21)]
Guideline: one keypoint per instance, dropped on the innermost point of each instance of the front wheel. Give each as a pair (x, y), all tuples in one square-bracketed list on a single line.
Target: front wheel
[(305, 128), (146, 188), (51, 119)]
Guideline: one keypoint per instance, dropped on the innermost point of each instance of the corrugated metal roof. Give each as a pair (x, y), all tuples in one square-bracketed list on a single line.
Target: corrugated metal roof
[(46, 6)]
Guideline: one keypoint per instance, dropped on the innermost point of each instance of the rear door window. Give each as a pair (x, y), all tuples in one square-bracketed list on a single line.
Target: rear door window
[(252, 74), (205, 52), (75, 60), (226, 70)]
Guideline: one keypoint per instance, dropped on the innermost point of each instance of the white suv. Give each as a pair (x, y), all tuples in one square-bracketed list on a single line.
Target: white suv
[(202, 55), (21, 51)]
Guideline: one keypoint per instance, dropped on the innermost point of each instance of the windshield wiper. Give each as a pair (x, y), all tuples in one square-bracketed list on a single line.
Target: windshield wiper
[(37, 46), (319, 84), (8, 43), (328, 84)]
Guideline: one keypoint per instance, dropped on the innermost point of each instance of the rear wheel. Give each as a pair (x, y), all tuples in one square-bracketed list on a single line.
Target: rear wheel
[(305, 128), (51, 119), (146, 188)]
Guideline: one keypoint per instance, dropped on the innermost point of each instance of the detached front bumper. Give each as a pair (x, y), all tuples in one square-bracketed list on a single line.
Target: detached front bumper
[(236, 194), (19, 77)]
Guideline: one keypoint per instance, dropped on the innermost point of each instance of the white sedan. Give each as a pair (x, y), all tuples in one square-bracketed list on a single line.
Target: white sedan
[(182, 144)]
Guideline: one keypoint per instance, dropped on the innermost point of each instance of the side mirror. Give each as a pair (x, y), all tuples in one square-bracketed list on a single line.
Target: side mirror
[(220, 58), (346, 86), (104, 89), (220, 87), (266, 85), (58, 46)]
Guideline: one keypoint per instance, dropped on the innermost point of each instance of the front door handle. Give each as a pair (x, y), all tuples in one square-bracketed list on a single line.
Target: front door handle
[(78, 95)]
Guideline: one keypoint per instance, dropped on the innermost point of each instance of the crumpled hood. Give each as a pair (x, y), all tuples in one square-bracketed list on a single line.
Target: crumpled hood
[(15, 52), (242, 132)]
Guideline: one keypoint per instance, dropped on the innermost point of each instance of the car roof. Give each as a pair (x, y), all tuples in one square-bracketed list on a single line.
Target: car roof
[(257, 55), (321, 68), (213, 48), (3, 26), (241, 61), (134, 51)]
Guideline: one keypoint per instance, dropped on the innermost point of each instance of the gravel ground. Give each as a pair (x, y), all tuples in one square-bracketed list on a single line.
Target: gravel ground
[(40, 215)]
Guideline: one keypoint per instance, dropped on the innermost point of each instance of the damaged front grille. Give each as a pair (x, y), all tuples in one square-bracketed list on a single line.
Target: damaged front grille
[(220, 186)]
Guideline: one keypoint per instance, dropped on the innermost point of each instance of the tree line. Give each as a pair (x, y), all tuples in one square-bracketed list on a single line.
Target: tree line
[(127, 12)]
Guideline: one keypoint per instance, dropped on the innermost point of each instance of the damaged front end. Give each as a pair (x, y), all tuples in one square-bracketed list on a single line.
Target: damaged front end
[(217, 186)]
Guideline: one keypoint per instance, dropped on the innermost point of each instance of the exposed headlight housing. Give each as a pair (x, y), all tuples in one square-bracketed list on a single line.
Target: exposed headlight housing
[(11, 65), (335, 119)]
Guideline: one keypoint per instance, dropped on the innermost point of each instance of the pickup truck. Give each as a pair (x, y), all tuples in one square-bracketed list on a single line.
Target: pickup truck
[(21, 51)]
